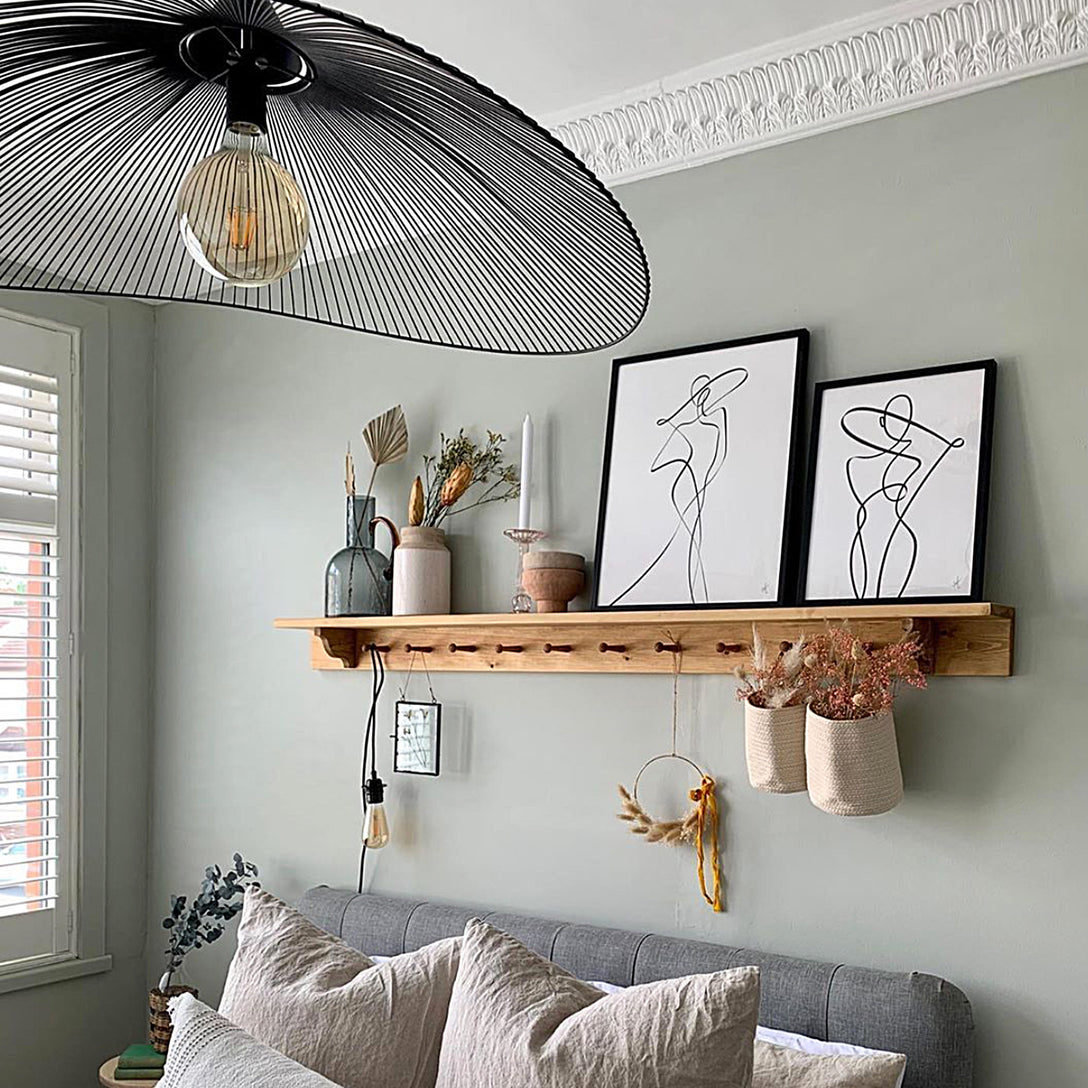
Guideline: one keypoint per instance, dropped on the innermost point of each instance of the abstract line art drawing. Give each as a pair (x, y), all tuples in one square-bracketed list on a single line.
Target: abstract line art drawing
[(898, 486), (700, 469), (904, 455), (692, 454)]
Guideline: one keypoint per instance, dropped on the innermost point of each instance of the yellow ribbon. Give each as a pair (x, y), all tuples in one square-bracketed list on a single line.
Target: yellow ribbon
[(703, 796)]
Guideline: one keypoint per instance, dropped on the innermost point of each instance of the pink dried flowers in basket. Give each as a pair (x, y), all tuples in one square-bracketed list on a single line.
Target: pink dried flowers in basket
[(851, 679)]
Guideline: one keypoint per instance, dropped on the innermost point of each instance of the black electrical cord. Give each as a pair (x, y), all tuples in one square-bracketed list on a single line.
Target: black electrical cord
[(370, 743)]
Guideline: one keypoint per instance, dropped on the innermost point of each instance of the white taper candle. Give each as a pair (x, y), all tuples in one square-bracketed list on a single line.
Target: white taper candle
[(525, 502)]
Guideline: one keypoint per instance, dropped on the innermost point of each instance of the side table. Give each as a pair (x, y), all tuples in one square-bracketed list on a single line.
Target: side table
[(108, 1080)]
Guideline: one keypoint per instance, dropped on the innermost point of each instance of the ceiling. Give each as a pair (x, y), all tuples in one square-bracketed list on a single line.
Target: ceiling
[(548, 57)]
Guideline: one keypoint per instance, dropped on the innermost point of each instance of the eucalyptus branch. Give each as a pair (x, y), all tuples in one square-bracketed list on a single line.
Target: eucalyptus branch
[(193, 925)]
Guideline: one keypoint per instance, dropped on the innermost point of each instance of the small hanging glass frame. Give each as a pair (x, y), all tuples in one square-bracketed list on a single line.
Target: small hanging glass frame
[(416, 742), (417, 735)]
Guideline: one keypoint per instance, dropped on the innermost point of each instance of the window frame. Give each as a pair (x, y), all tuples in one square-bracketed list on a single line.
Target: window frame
[(80, 916)]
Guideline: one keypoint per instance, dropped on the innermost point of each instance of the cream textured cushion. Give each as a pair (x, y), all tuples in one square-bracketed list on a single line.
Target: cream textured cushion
[(784, 1067), (518, 1021), (803, 1043), (208, 1051), (308, 994)]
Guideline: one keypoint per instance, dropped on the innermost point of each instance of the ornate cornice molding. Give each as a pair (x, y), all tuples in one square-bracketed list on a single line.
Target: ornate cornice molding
[(867, 71)]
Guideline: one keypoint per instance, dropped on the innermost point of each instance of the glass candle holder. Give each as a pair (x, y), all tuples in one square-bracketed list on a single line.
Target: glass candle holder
[(521, 602)]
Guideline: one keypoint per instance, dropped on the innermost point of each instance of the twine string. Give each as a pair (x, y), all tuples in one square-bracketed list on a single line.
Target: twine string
[(703, 797), (677, 654), (408, 678)]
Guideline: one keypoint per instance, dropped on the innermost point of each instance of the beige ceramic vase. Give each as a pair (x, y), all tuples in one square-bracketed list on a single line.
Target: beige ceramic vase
[(853, 766), (774, 746), (421, 573)]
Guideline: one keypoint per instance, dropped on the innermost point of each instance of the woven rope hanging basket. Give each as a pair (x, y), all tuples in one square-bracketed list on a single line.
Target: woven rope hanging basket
[(774, 745), (853, 766)]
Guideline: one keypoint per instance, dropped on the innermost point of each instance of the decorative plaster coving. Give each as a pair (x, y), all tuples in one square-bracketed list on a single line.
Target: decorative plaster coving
[(869, 72)]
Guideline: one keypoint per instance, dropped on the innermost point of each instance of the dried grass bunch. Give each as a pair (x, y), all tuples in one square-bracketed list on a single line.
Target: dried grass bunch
[(781, 674), (857, 680), (670, 832), (458, 467)]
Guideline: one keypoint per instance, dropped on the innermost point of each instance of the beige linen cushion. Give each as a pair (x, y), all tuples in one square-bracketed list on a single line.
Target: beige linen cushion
[(784, 1067), (305, 992), (518, 1021), (208, 1051)]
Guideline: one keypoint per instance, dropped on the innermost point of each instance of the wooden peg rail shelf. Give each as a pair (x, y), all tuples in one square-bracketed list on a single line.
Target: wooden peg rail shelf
[(957, 639)]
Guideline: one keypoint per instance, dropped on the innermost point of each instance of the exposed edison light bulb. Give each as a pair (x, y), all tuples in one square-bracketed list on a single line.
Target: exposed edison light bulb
[(375, 822), (243, 217)]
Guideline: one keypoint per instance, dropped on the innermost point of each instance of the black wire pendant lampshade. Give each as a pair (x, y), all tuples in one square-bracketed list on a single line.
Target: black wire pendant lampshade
[(283, 157)]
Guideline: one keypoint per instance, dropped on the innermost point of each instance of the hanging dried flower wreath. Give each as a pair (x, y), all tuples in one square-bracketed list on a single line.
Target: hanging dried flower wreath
[(698, 828)]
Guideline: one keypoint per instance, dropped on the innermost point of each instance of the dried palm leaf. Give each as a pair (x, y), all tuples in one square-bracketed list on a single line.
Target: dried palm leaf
[(386, 437)]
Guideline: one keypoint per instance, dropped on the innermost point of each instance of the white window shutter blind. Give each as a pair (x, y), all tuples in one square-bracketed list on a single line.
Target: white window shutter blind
[(38, 670)]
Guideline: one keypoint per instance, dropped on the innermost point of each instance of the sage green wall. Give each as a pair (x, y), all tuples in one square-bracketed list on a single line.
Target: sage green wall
[(56, 1036), (954, 232)]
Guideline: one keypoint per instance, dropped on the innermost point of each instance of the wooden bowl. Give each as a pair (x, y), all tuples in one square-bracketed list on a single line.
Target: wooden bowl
[(554, 560), (552, 588)]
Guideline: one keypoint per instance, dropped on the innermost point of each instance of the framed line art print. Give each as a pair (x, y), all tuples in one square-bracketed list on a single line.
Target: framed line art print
[(898, 489), (700, 472)]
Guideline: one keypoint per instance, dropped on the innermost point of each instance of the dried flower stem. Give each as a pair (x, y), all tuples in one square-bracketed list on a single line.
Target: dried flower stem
[(485, 467)]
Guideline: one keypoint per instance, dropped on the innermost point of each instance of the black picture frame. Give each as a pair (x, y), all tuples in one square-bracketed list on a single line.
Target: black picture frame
[(791, 508), (437, 708), (988, 370)]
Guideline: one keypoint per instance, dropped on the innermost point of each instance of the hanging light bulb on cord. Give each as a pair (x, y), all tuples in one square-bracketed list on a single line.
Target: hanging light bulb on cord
[(243, 217), (375, 822)]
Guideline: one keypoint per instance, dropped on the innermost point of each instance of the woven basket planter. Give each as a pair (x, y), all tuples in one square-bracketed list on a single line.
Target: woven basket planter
[(774, 744), (159, 1005), (853, 766)]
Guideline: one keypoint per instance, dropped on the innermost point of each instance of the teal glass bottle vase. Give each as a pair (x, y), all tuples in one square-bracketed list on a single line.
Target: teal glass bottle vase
[(359, 578)]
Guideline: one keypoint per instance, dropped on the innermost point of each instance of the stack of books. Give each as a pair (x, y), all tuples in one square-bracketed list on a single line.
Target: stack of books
[(141, 1061)]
